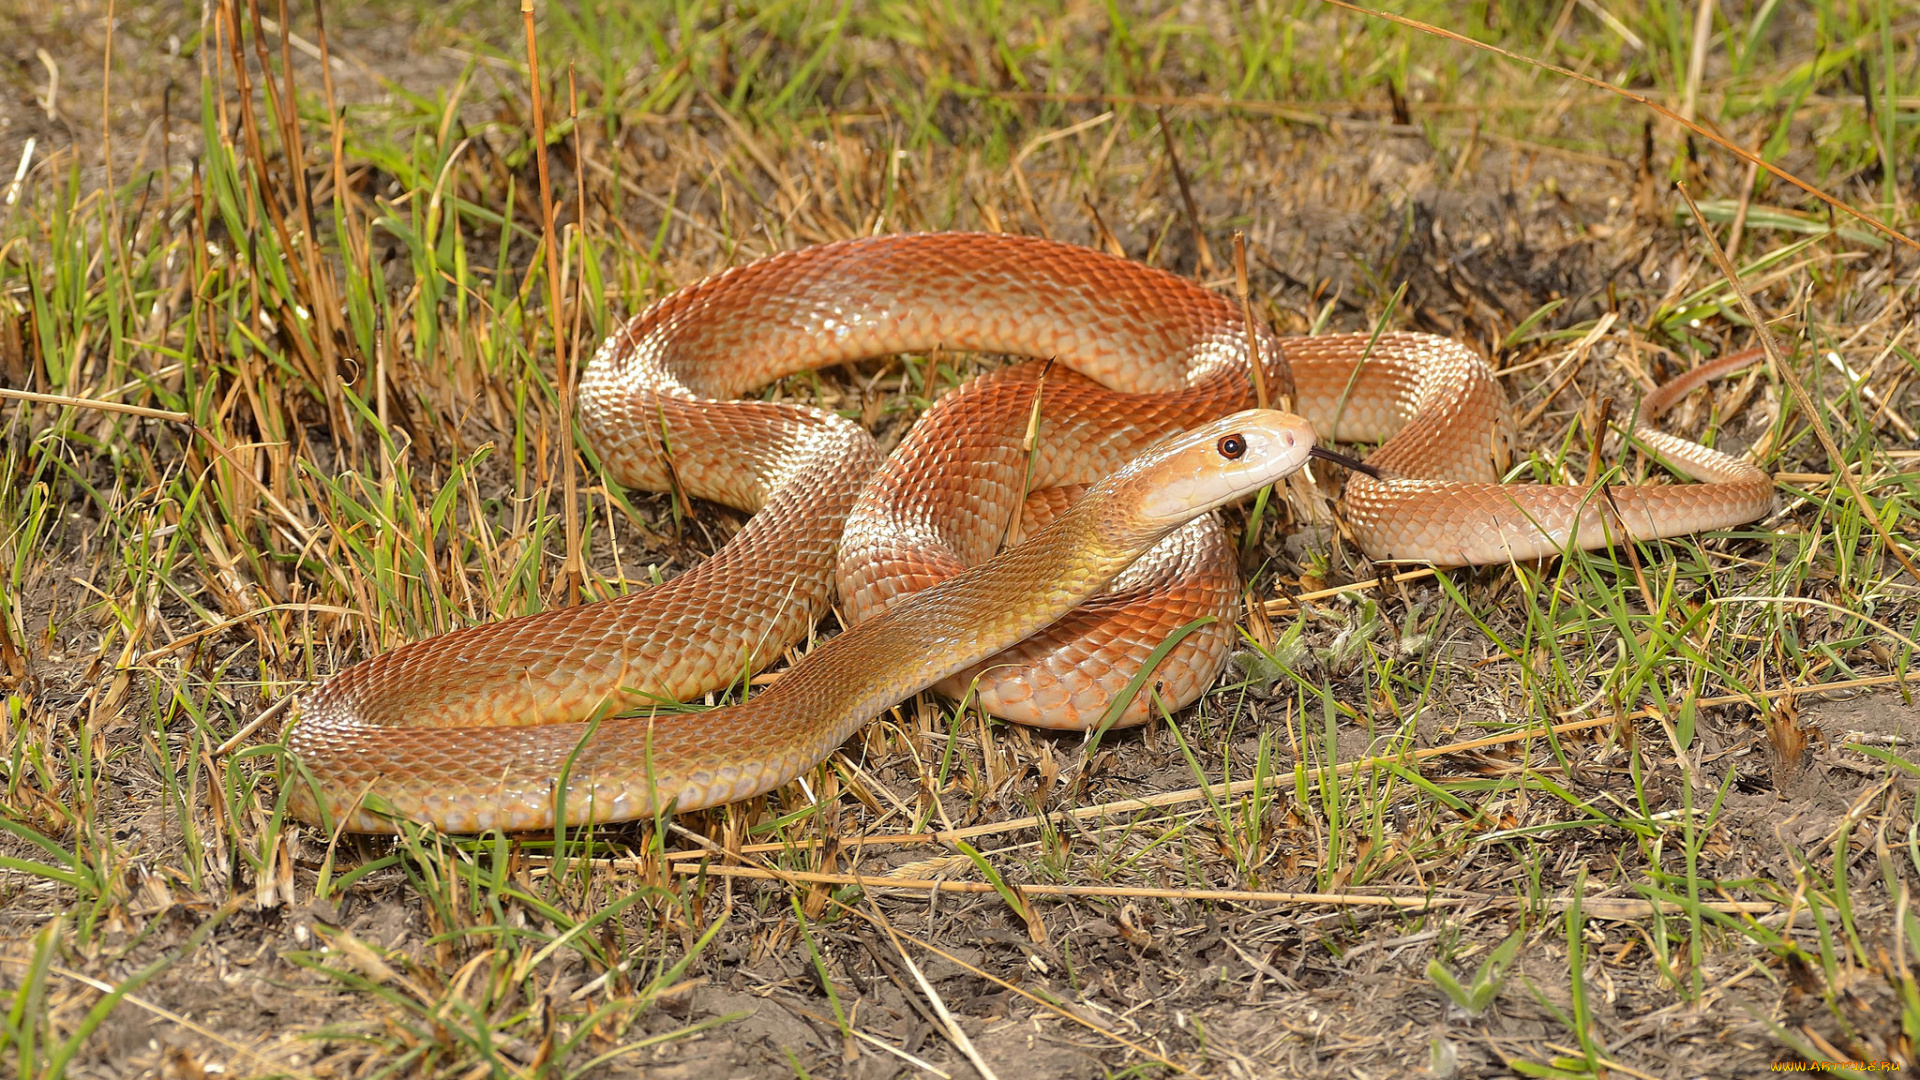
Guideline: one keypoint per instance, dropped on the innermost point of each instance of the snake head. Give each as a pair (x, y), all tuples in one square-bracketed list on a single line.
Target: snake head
[(1212, 465)]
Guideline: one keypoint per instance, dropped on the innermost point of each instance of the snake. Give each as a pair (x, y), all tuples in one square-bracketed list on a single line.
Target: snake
[(1035, 539)]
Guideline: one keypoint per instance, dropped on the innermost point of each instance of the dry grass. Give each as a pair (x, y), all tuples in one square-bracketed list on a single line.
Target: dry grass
[(1646, 812)]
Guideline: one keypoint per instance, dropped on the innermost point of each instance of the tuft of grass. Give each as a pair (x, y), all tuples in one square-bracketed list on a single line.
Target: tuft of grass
[(1474, 996)]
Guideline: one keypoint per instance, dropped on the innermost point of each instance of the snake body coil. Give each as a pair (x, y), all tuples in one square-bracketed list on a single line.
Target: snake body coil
[(474, 729)]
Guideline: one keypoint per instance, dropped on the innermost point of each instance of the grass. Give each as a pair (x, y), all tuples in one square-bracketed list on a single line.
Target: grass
[(338, 275)]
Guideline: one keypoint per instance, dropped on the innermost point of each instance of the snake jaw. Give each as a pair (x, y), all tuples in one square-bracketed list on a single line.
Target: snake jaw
[(1217, 463)]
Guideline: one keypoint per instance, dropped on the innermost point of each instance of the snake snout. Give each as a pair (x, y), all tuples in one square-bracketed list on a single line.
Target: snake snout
[(1217, 463)]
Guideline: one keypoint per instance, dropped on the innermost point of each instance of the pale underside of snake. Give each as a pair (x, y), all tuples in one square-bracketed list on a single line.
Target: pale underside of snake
[(506, 724)]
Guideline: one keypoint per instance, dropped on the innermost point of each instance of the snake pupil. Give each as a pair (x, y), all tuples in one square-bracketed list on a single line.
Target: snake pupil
[(1232, 446)]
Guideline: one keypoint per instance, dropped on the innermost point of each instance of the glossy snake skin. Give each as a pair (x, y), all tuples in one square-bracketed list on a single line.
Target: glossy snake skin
[(474, 729)]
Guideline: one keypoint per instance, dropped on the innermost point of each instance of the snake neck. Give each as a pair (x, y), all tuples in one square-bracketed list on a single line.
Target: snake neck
[(975, 614)]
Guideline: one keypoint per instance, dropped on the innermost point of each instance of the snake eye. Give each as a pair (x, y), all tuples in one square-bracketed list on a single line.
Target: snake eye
[(1232, 446)]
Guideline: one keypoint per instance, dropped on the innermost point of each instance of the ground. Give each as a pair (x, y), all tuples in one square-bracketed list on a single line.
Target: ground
[(1706, 867)]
